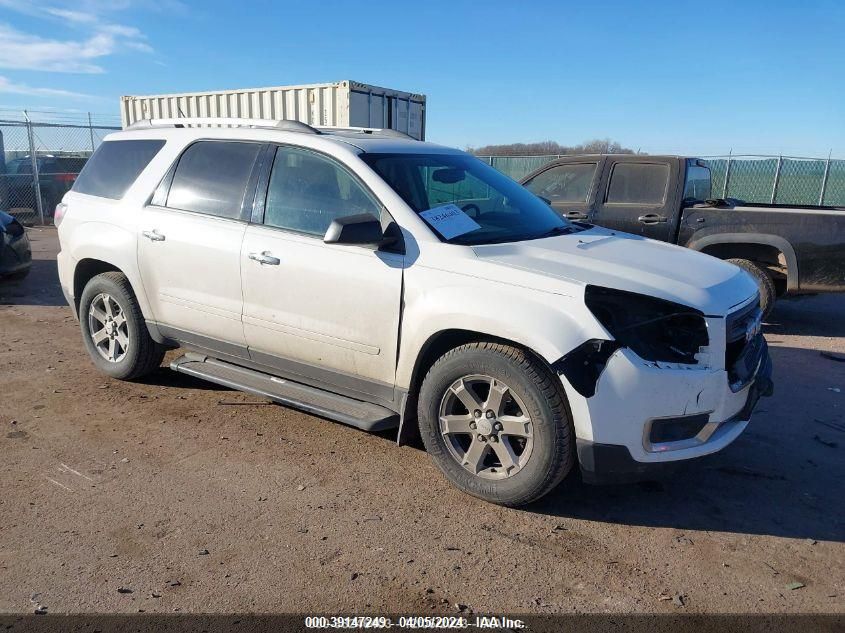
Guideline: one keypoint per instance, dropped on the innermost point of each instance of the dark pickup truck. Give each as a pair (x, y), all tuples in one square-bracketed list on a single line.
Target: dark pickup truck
[(788, 250)]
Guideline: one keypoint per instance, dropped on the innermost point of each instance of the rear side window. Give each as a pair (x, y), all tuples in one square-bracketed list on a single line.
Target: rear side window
[(638, 183), (564, 183), (114, 167), (212, 176)]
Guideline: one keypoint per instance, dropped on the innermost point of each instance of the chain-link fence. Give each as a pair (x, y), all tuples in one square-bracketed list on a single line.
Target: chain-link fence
[(765, 179), (43, 158), (41, 163), (779, 179)]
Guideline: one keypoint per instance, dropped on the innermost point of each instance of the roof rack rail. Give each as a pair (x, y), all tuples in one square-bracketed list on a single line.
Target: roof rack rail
[(273, 124), (375, 131)]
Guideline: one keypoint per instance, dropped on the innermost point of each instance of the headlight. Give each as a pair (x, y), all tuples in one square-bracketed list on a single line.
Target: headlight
[(654, 329), (13, 229)]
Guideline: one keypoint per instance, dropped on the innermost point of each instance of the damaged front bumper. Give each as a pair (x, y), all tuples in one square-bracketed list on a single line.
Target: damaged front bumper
[(645, 418)]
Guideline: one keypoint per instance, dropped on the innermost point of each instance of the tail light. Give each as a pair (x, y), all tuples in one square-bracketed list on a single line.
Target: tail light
[(59, 213), (69, 178)]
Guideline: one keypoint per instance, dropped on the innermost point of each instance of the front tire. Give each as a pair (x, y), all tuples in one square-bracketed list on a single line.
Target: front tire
[(765, 283), (495, 421), (114, 331)]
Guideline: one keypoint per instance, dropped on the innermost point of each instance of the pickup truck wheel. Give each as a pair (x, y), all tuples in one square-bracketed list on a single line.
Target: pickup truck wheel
[(495, 421), (768, 292), (113, 329)]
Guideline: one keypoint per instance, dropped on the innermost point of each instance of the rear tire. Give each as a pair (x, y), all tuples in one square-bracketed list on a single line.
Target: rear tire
[(768, 292), (114, 330), (517, 443)]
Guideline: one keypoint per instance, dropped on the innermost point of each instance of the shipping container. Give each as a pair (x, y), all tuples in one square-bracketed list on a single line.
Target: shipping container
[(339, 104)]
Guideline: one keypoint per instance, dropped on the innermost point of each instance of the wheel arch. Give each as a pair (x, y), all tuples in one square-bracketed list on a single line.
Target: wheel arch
[(435, 346), (89, 267), (753, 246), (84, 271)]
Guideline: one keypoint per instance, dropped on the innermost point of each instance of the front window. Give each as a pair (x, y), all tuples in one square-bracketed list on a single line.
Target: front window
[(502, 210), (307, 191), (565, 183)]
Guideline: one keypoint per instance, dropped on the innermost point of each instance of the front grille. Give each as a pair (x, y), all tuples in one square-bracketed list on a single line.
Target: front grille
[(743, 352)]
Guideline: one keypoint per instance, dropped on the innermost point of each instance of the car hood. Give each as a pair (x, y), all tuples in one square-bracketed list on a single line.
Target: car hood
[(611, 259)]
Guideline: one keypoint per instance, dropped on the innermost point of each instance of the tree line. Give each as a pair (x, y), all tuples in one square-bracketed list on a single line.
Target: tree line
[(545, 148)]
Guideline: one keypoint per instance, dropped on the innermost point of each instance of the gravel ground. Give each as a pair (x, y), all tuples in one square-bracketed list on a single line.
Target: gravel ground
[(164, 496)]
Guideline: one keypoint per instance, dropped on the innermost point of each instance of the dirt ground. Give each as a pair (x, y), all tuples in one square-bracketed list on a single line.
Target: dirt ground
[(164, 496)]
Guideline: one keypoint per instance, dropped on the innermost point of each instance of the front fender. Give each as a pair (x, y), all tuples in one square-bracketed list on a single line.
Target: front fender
[(549, 324)]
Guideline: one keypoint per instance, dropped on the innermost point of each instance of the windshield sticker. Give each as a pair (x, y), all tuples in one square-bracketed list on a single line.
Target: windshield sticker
[(449, 220)]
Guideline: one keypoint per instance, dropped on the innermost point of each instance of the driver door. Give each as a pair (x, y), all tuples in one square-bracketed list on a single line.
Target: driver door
[(568, 187), (325, 313)]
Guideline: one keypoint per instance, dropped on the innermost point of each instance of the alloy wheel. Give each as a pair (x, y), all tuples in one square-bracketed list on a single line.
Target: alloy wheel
[(108, 328), (486, 427)]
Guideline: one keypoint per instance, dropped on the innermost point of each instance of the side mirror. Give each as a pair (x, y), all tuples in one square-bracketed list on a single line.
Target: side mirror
[(363, 228)]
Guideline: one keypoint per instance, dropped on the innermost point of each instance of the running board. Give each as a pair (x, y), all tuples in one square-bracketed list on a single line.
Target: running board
[(363, 415)]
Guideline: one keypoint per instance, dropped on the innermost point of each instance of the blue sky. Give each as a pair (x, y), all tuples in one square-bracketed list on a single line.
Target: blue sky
[(701, 77)]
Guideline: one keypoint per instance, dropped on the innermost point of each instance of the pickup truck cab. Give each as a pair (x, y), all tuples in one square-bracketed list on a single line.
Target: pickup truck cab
[(788, 250), (387, 283)]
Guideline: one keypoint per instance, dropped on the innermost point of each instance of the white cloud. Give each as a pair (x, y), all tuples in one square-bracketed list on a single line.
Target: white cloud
[(26, 51), (10, 87), (73, 16)]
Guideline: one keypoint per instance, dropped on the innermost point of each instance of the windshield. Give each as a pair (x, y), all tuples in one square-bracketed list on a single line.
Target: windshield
[(502, 210)]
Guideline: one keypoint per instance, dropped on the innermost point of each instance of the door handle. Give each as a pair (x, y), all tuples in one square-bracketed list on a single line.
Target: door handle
[(576, 215), (265, 258), (652, 218), (153, 236)]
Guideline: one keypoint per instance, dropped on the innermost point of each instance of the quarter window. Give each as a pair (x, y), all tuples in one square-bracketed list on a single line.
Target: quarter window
[(638, 183), (113, 168), (564, 183), (211, 178), (308, 191)]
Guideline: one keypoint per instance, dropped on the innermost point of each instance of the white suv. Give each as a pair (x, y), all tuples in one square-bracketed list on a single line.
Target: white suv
[(389, 283)]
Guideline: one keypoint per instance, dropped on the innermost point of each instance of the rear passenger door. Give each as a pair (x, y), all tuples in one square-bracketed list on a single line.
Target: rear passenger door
[(634, 196), (568, 187), (190, 243), (324, 313)]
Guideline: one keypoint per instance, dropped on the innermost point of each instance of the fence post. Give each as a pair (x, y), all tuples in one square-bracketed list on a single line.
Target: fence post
[(727, 177), (37, 181), (91, 131), (777, 179), (824, 181)]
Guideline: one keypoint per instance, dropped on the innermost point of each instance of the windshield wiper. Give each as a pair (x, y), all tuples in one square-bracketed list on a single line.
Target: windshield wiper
[(557, 230)]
